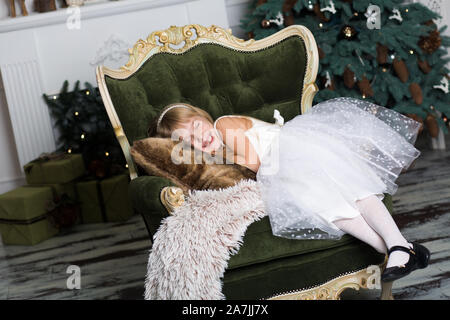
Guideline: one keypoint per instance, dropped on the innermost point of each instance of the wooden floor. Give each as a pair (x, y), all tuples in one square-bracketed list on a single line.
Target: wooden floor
[(113, 256)]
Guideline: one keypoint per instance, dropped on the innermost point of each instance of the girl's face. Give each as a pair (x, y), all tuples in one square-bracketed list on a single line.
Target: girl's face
[(200, 133)]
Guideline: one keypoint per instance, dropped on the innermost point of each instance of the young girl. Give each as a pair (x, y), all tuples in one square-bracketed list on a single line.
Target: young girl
[(323, 173)]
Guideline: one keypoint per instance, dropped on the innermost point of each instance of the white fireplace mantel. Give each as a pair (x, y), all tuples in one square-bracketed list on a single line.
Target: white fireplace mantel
[(38, 52), (89, 10)]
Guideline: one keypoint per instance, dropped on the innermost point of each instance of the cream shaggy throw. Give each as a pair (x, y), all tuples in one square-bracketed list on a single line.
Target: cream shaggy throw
[(191, 248)]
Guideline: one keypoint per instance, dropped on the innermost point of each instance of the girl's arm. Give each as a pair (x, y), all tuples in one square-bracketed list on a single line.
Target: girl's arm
[(233, 130)]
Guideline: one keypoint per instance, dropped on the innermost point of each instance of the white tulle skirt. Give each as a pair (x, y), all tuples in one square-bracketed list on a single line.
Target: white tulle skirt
[(341, 150)]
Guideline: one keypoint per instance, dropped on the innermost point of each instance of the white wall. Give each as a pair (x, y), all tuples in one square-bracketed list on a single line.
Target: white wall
[(10, 172), (236, 10)]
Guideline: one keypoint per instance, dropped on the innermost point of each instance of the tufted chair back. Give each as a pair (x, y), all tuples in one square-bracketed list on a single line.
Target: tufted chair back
[(216, 72)]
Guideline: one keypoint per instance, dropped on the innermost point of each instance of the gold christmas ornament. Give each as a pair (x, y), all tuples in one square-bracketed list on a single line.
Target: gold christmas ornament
[(348, 32), (265, 24)]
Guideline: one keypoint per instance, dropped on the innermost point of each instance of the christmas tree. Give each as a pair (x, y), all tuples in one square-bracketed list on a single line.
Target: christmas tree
[(84, 127), (382, 50)]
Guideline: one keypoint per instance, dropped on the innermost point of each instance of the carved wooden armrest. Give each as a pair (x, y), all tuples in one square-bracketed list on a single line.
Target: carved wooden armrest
[(171, 198)]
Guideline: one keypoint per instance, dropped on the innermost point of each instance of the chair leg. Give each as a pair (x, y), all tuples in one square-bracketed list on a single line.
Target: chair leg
[(386, 291)]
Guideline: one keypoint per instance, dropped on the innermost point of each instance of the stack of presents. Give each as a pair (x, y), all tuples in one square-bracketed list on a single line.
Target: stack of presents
[(59, 194)]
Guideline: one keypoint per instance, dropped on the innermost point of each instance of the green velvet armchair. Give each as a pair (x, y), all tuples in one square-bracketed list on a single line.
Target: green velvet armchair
[(226, 75)]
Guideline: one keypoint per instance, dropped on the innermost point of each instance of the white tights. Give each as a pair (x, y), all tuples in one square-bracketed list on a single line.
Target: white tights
[(376, 227)]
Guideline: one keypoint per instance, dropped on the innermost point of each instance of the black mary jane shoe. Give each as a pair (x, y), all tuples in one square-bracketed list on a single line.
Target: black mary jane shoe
[(418, 259)]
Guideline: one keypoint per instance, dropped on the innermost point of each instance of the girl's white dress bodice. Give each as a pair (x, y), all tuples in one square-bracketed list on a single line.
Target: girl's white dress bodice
[(262, 134), (316, 165)]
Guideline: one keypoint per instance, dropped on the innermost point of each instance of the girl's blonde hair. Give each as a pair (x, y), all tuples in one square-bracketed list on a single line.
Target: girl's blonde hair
[(173, 118)]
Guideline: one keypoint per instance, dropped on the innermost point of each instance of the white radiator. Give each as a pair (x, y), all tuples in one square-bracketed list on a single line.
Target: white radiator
[(29, 113)]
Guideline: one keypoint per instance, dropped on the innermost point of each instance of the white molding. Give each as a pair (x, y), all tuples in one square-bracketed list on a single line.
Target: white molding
[(87, 11), (236, 10)]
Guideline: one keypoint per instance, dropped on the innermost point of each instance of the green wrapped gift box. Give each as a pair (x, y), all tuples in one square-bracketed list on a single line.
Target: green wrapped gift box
[(62, 169), (23, 215), (59, 188), (104, 200)]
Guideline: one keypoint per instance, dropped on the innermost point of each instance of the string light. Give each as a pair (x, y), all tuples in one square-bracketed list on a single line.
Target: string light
[(406, 10), (432, 107), (87, 92), (126, 166), (107, 154), (54, 97), (76, 113), (364, 96), (355, 14), (69, 150), (411, 52), (82, 136), (320, 25), (384, 69)]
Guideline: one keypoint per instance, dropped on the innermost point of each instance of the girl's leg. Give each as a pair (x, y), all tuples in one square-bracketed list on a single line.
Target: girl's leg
[(359, 228), (380, 220)]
